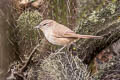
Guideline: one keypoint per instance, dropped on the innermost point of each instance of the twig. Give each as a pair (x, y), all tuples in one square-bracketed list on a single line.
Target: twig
[(60, 49), (30, 57)]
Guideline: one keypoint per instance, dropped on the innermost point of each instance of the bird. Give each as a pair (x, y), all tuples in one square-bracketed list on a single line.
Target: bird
[(59, 34)]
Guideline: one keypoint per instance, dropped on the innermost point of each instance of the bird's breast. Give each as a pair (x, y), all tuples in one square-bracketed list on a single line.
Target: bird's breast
[(50, 36)]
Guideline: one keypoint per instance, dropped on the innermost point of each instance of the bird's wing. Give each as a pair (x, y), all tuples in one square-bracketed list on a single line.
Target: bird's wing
[(64, 32)]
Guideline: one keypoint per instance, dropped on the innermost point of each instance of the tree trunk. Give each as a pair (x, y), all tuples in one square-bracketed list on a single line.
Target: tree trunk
[(6, 50)]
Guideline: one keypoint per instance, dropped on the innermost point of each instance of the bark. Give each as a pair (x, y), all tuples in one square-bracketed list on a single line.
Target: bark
[(7, 51)]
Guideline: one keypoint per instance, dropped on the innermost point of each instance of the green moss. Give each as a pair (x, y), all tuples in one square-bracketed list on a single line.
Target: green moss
[(111, 7), (26, 22), (93, 17)]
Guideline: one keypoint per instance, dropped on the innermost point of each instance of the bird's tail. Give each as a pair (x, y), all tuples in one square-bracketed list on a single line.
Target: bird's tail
[(89, 36)]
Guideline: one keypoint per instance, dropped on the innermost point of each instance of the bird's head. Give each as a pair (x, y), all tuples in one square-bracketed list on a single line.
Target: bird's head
[(45, 24)]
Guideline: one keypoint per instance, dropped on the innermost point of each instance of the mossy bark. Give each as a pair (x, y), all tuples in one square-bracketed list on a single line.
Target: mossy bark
[(101, 18)]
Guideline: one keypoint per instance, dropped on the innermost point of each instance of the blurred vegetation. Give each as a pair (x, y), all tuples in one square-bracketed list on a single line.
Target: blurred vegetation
[(28, 34)]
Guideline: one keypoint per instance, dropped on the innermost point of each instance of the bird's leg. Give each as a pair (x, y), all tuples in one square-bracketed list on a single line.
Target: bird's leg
[(69, 46)]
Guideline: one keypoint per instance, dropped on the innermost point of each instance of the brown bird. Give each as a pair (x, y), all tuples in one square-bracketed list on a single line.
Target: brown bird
[(59, 34)]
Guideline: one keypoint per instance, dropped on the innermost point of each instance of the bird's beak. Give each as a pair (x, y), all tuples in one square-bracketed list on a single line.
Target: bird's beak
[(37, 27)]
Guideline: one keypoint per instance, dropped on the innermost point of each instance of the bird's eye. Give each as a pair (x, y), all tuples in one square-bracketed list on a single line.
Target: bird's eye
[(44, 24)]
